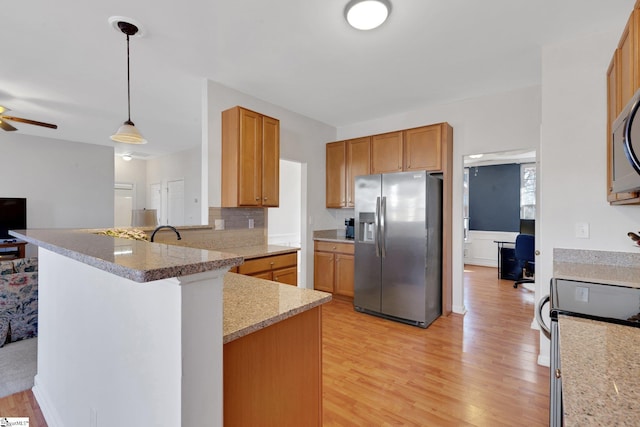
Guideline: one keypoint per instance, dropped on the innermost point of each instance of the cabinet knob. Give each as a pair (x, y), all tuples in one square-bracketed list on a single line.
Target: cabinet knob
[(334, 248), (265, 199), (271, 263), (257, 199)]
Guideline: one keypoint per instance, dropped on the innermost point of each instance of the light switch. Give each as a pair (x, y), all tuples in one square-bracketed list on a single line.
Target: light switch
[(582, 230)]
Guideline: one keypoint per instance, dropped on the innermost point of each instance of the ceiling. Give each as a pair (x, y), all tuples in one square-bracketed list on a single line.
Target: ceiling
[(63, 63)]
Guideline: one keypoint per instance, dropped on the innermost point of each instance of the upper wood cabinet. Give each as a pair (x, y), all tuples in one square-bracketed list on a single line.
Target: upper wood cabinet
[(423, 148), (345, 161), (405, 150), (386, 153), (623, 80), (627, 60), (250, 159)]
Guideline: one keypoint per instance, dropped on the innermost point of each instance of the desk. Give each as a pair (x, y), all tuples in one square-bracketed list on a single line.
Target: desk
[(507, 263), (18, 246)]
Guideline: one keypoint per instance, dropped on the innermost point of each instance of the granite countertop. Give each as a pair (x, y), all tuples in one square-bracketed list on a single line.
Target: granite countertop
[(331, 236), (600, 372), (251, 304), (136, 260), (609, 268)]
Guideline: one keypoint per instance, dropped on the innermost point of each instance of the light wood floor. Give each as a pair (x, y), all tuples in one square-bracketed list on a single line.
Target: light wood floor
[(476, 370)]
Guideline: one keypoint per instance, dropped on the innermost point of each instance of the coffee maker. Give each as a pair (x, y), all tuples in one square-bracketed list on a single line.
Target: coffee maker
[(348, 228)]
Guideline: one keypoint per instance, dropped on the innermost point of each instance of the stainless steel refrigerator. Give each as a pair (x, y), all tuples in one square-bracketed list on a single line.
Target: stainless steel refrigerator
[(398, 246)]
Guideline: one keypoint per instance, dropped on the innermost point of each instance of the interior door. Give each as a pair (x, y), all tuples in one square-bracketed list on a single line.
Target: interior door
[(175, 202)]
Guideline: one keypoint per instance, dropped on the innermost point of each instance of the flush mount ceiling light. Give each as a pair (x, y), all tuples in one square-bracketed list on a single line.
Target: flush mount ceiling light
[(127, 157), (127, 133), (367, 14)]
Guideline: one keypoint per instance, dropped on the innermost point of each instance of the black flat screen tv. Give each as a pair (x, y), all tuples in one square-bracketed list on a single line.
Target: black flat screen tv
[(13, 216)]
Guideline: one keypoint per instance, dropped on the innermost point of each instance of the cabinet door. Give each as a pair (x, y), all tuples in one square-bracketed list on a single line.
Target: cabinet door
[(270, 162), (335, 175), (358, 163), (344, 275), (627, 46), (386, 152), (323, 271), (250, 159), (288, 276), (613, 109), (422, 149), (266, 275)]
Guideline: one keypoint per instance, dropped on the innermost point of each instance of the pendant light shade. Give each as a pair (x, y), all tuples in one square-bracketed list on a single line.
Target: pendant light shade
[(367, 14), (127, 133)]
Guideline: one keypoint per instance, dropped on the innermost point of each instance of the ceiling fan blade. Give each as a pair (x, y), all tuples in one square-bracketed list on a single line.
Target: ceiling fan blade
[(3, 109), (30, 122), (6, 126)]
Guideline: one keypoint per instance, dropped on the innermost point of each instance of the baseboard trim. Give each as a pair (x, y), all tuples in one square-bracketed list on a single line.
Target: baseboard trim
[(46, 407), (544, 360), (459, 309)]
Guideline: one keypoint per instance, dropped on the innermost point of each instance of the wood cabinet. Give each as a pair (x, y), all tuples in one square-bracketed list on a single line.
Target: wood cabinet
[(250, 159), (407, 150), (423, 149), (386, 153), (273, 376), (333, 268), (345, 161), (279, 268), (623, 80)]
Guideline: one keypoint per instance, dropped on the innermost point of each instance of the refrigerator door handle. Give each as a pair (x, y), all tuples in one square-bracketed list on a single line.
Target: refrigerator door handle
[(377, 226), (383, 234)]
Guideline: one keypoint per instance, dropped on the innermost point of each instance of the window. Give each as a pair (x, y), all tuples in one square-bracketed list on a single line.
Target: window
[(528, 191)]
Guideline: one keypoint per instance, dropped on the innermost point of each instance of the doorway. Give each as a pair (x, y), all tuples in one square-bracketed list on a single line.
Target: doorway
[(285, 221), (505, 194), (124, 202)]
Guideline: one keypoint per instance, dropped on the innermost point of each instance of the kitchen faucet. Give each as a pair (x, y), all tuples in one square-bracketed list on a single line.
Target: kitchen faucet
[(165, 226)]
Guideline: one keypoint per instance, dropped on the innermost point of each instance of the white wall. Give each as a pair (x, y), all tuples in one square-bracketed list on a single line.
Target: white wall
[(572, 174), (499, 122), (67, 184), (181, 165), (133, 172), (301, 139)]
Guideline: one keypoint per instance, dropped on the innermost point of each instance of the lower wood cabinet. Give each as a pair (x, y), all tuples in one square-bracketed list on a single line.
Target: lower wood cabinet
[(279, 268), (273, 377), (333, 268)]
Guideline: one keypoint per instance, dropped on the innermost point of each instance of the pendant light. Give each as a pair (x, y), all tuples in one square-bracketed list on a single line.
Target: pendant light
[(128, 133), (367, 14)]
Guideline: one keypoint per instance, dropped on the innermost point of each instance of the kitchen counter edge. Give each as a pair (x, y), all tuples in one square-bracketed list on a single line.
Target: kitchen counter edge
[(135, 260), (251, 304)]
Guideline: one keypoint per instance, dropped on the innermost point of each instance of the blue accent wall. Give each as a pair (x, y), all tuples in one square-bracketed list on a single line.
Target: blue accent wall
[(494, 198)]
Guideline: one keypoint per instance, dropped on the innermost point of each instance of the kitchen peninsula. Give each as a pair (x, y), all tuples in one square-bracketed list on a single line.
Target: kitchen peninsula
[(134, 330)]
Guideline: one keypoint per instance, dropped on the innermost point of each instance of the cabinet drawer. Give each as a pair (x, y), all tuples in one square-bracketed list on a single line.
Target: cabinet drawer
[(288, 276), (275, 262), (345, 248)]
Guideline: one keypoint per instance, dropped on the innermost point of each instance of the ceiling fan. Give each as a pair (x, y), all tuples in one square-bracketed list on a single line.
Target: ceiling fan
[(6, 126)]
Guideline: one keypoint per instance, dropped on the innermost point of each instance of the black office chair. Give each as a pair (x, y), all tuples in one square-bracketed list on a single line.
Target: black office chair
[(525, 253)]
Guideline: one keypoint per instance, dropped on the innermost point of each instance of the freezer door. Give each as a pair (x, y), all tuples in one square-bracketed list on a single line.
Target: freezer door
[(367, 250), (405, 245)]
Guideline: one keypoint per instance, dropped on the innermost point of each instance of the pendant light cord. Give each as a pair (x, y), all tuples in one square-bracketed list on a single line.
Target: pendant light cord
[(128, 84)]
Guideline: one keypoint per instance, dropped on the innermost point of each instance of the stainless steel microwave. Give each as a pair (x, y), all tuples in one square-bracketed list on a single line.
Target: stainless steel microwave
[(626, 148)]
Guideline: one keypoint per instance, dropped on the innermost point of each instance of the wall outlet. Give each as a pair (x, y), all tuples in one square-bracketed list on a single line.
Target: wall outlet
[(582, 230), (250, 222), (218, 224)]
